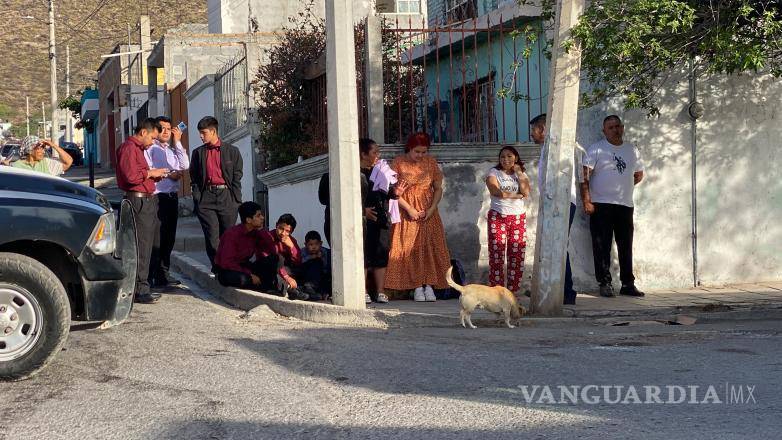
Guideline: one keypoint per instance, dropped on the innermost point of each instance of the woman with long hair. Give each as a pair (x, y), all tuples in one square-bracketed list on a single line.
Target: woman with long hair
[(419, 257), (509, 187)]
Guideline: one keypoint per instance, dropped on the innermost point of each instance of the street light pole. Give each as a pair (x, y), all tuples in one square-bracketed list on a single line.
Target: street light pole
[(68, 125), (27, 113), (53, 69)]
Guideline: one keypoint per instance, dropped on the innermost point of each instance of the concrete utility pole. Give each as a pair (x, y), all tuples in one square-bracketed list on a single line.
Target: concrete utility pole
[(43, 116), (130, 86), (68, 122), (374, 76), (344, 166), (27, 113), (554, 207), (53, 68), (145, 44)]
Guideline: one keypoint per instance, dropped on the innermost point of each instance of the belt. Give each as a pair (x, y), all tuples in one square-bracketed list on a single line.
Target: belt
[(217, 186), (139, 194)]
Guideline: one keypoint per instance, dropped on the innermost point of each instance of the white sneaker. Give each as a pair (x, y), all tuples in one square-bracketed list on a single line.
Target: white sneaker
[(419, 294), (429, 294), (382, 298), (367, 299)]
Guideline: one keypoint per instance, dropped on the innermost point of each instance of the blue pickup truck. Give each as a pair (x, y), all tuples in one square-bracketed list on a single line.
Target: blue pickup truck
[(65, 255)]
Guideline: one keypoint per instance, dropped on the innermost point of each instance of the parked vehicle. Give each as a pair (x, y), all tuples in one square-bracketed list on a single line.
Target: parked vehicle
[(64, 254), (75, 152)]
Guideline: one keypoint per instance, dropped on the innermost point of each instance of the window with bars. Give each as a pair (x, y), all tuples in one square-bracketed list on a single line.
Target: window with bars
[(460, 10), (475, 101), (398, 6)]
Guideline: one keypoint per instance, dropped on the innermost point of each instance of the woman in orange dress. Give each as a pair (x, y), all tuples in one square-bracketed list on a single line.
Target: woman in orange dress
[(418, 256)]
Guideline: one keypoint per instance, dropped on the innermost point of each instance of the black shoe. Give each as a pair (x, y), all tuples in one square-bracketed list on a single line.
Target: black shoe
[(311, 292), (606, 290), (147, 298), (630, 291), (296, 294), (168, 281)]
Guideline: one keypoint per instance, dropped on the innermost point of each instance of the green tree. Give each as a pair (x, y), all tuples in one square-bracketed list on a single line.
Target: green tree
[(631, 47)]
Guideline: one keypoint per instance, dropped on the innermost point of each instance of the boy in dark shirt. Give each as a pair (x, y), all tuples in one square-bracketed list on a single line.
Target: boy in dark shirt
[(315, 270)]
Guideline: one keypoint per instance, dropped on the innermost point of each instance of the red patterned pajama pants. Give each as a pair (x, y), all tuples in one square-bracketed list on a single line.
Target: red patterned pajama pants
[(506, 237)]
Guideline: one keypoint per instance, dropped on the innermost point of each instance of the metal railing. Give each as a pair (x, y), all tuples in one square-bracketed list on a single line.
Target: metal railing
[(477, 81), (231, 94)]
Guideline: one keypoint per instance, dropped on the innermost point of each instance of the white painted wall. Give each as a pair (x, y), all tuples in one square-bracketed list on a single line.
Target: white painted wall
[(198, 106), (301, 200), (739, 192), (232, 16), (739, 195), (244, 145)]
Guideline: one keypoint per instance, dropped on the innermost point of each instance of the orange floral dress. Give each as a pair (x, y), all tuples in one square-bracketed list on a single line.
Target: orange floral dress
[(418, 254)]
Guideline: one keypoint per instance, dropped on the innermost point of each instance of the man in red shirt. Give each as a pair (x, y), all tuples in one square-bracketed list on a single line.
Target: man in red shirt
[(280, 242), (135, 177), (237, 247), (216, 180)]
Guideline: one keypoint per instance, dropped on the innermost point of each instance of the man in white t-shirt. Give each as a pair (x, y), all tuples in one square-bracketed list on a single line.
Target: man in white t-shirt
[(612, 168), (537, 131)]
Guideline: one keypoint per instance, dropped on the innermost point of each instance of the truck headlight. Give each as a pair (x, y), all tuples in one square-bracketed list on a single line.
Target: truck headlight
[(104, 236)]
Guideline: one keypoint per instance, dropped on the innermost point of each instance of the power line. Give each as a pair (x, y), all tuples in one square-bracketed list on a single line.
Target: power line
[(101, 4)]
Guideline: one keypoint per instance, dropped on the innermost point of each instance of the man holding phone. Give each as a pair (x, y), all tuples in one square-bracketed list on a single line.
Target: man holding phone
[(171, 155), (137, 179)]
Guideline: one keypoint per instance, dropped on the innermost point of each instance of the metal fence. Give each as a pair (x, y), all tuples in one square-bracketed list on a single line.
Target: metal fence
[(231, 94), (477, 81)]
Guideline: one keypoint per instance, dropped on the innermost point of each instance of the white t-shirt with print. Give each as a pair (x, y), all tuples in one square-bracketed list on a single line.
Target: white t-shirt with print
[(508, 183), (612, 168)]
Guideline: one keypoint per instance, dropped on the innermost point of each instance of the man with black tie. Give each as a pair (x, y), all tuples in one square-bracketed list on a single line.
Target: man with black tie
[(216, 180)]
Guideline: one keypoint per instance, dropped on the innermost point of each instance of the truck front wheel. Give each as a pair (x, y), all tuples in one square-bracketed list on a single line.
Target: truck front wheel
[(34, 316)]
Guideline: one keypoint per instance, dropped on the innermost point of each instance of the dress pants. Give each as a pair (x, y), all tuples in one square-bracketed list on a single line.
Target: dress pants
[(216, 211), (165, 237), (145, 215), (607, 221), (266, 268), (570, 293)]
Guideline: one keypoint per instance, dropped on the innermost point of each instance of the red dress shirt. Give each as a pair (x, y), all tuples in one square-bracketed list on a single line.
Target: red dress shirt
[(269, 244), (214, 172), (132, 168), (237, 246)]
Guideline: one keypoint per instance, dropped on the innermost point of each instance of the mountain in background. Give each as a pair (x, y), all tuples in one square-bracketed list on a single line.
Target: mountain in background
[(90, 27)]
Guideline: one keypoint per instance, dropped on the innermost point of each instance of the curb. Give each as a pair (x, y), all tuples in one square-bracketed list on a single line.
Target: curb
[(372, 318)]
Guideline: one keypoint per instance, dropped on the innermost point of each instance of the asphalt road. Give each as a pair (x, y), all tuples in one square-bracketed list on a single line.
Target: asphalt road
[(186, 368)]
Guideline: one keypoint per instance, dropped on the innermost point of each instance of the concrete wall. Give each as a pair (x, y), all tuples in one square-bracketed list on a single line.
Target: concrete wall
[(233, 16), (739, 198), (739, 194)]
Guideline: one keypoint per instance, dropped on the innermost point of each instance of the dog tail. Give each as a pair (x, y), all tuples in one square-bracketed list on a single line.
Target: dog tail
[(451, 282)]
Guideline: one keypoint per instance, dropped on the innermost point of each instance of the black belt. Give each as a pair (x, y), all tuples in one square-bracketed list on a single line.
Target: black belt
[(139, 194), (217, 186)]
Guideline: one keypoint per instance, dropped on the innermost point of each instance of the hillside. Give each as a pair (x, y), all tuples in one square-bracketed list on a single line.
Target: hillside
[(90, 27)]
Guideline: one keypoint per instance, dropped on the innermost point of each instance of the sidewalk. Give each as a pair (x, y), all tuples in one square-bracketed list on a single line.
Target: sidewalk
[(190, 260), (737, 301)]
